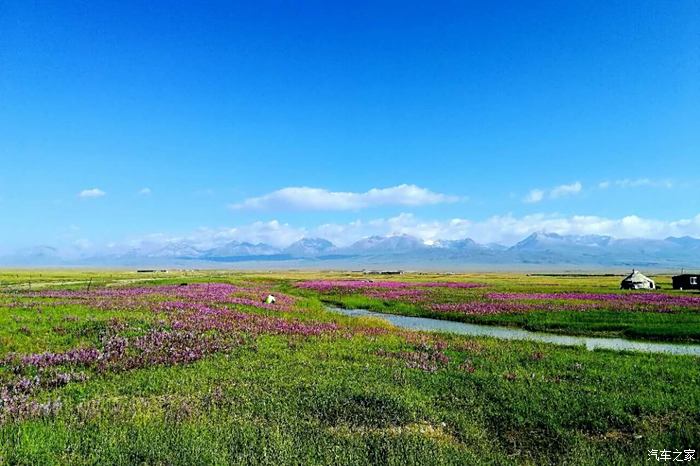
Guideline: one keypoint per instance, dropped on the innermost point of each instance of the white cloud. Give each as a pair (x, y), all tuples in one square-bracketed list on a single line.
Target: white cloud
[(537, 195), (508, 229), (305, 198), (637, 183), (272, 232), (145, 191), (91, 193), (504, 229), (565, 190)]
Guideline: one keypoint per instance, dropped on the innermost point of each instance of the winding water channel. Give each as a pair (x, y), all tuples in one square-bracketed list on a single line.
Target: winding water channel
[(508, 333)]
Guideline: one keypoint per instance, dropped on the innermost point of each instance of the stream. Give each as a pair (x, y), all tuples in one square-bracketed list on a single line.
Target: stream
[(509, 333)]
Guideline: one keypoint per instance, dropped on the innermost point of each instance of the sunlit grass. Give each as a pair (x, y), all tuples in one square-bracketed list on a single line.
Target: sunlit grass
[(346, 397)]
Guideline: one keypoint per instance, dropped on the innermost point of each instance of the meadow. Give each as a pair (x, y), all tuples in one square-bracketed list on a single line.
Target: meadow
[(193, 367), (575, 305)]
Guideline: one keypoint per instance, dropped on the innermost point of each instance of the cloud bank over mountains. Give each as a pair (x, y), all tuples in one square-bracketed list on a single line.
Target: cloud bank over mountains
[(550, 238), (504, 229), (536, 239)]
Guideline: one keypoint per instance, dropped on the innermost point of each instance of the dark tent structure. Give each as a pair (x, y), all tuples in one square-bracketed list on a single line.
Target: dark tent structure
[(686, 281)]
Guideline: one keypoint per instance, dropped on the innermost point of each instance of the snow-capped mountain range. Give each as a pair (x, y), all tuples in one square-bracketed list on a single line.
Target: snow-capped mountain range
[(538, 249)]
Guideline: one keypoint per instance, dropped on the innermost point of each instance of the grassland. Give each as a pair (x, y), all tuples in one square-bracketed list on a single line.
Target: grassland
[(299, 385), (680, 325)]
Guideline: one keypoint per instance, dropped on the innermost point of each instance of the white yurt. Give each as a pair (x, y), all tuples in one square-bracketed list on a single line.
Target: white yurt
[(637, 281)]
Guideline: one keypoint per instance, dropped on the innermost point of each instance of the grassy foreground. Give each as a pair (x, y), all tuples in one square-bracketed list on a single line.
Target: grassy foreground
[(361, 394)]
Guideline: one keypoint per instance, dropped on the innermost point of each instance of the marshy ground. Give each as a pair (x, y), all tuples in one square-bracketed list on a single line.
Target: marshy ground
[(193, 368)]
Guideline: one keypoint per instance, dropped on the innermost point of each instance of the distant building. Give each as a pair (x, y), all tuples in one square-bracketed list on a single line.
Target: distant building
[(383, 272), (686, 281), (637, 281)]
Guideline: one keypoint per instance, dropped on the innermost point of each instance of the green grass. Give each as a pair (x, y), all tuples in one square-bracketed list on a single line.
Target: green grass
[(678, 326), (323, 401), (337, 400), (682, 326), (58, 329)]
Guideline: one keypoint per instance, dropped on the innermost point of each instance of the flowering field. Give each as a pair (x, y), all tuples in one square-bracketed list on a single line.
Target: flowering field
[(195, 368), (655, 315)]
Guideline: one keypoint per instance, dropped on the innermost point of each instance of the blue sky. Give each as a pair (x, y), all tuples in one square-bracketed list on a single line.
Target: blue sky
[(121, 121)]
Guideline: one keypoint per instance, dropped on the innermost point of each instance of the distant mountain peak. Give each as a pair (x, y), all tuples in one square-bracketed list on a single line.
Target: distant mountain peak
[(540, 247), (545, 239), (387, 244), (465, 243), (240, 249), (310, 246)]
